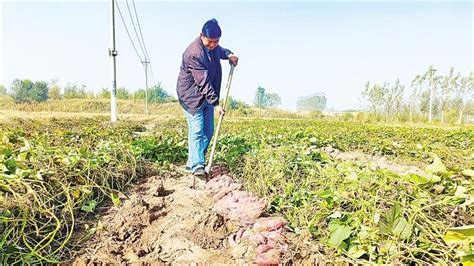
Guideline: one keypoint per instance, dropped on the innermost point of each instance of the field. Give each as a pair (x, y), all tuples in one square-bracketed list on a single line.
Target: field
[(356, 192)]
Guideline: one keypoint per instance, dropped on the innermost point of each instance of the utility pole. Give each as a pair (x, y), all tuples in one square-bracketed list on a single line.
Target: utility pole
[(113, 55), (145, 64)]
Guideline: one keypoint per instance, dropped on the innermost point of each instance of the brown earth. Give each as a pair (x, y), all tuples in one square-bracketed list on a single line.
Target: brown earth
[(372, 161), (163, 220)]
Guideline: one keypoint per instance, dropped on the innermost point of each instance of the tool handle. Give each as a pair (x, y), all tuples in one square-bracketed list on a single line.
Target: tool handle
[(219, 122)]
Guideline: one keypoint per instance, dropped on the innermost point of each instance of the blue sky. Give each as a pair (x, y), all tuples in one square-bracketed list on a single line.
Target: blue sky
[(293, 49)]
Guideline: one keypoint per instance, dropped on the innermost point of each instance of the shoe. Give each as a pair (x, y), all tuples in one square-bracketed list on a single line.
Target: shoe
[(200, 173)]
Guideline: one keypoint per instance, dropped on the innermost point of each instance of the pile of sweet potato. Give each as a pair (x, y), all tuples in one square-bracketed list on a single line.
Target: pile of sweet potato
[(259, 236)]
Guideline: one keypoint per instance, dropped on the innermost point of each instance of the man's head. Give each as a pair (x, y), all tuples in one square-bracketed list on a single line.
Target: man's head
[(210, 34)]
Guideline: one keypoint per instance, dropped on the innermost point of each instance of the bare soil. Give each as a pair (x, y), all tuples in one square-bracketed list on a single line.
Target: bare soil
[(163, 220), (372, 161)]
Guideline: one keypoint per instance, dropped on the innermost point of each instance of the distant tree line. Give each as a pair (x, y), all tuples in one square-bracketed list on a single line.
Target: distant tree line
[(27, 91), (431, 96), (233, 104), (312, 103), (264, 99)]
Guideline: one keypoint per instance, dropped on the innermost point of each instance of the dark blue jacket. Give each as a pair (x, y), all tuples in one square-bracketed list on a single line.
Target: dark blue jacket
[(200, 76)]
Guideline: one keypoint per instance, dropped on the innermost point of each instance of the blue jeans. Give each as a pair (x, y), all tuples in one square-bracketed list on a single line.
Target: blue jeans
[(200, 130)]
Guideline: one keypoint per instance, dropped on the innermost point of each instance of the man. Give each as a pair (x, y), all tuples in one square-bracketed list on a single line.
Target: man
[(198, 89)]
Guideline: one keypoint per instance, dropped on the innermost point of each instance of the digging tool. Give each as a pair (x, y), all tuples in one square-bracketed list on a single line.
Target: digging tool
[(219, 122)]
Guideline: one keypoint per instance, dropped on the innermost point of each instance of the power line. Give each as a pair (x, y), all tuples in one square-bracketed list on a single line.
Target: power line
[(128, 33), (135, 30), (143, 40), (140, 28)]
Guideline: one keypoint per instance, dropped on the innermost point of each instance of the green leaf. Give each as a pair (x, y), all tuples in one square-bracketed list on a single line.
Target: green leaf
[(3, 168), (467, 256), (115, 198), (459, 235), (394, 224), (340, 234), (468, 172), (326, 194), (402, 228), (389, 219), (355, 251), (422, 179), (89, 206), (436, 166)]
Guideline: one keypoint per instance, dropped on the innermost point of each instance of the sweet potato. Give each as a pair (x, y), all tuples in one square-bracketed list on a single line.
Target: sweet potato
[(268, 224), (271, 257), (226, 190), (263, 248)]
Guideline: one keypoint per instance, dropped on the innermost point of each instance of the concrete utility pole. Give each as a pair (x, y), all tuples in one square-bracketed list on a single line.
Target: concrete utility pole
[(145, 64), (113, 55)]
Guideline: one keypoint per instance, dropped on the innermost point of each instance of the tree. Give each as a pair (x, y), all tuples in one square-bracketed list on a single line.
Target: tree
[(39, 91), (157, 94), (29, 91), (3, 90), (414, 99), (448, 83), (375, 97), (20, 90), (393, 99), (432, 81), (233, 104), (54, 91), (264, 99), (314, 102), (260, 98), (465, 91), (72, 91), (122, 93), (384, 98), (273, 100), (138, 94), (104, 94)]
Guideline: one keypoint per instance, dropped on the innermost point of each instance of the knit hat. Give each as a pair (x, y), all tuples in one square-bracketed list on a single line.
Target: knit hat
[(211, 29)]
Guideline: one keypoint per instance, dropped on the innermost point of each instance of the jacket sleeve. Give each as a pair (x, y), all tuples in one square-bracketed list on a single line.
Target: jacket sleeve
[(224, 53), (201, 78)]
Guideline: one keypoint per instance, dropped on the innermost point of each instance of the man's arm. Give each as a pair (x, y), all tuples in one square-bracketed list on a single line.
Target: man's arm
[(201, 78), (224, 53), (227, 54)]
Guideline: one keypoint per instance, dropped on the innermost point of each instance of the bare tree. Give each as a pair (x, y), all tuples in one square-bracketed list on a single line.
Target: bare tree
[(448, 84), (414, 99), (465, 90), (432, 81), (393, 98), (375, 97)]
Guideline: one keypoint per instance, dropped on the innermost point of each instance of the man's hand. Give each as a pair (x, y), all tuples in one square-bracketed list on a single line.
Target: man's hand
[(220, 110), (233, 60)]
